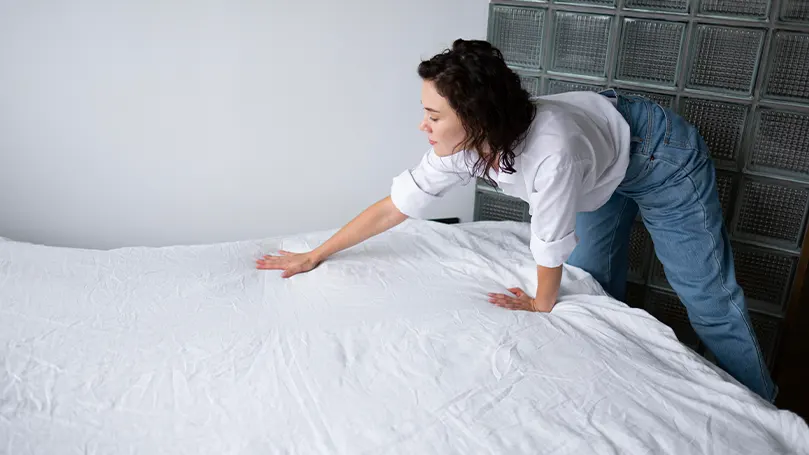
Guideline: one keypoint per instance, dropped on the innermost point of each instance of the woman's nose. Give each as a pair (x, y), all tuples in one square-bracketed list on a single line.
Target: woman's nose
[(423, 126)]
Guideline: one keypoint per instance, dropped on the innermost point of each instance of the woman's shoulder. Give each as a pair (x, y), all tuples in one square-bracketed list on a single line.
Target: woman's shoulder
[(557, 126), (554, 122), (570, 103), (569, 114)]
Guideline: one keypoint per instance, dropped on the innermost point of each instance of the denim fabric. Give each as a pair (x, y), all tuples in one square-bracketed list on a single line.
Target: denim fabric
[(671, 180)]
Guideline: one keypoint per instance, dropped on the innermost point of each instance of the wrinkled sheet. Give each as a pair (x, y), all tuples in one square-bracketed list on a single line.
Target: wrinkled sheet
[(389, 347)]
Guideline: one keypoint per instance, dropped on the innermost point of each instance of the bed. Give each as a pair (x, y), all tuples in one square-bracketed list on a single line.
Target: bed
[(389, 347)]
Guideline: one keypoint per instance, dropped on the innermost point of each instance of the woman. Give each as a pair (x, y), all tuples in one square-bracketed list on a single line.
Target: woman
[(585, 163)]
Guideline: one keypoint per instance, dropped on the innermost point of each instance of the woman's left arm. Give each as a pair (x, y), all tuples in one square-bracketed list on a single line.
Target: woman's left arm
[(548, 282), (554, 201)]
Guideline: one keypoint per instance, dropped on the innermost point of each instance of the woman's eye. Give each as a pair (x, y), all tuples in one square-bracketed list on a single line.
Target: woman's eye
[(433, 119)]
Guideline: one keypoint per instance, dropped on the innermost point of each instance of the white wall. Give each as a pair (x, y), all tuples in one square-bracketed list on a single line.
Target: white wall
[(157, 122)]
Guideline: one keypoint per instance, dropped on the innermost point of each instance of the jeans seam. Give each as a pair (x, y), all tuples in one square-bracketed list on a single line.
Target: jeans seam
[(681, 145), (750, 332), (667, 136), (648, 128), (681, 166)]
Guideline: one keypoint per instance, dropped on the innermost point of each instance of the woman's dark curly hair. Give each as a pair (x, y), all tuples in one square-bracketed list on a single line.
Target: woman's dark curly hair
[(487, 95)]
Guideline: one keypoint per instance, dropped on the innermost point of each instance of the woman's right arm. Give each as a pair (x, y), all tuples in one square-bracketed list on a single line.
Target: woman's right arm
[(412, 190), (374, 220)]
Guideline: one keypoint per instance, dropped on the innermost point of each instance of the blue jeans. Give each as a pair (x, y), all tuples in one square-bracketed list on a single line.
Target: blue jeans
[(672, 180)]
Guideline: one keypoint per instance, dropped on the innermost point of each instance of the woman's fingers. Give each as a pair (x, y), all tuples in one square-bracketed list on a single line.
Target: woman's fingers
[(269, 261), (501, 300), (507, 305), (271, 264), (290, 263), (287, 262), (285, 257)]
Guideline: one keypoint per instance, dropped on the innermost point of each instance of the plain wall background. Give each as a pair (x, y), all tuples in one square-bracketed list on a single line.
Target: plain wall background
[(160, 122)]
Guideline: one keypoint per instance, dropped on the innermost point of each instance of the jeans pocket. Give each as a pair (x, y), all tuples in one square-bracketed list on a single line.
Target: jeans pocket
[(679, 133)]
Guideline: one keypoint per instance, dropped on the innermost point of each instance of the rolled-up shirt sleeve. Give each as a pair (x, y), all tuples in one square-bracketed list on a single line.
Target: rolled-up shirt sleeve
[(554, 205), (414, 189)]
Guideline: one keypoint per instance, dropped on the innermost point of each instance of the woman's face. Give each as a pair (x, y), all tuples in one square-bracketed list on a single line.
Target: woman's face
[(443, 127)]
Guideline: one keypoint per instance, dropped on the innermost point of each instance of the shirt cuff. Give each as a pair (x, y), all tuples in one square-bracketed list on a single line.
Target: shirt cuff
[(408, 197), (555, 253)]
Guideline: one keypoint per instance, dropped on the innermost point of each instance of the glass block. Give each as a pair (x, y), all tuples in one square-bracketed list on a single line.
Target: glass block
[(667, 309), (659, 98), (781, 141), (725, 183), (725, 58), (764, 275), (496, 207), (531, 84), (766, 328), (635, 294), (556, 86), (608, 3), (517, 32), (748, 8), (680, 6), (580, 43), (721, 124), (640, 244), (788, 73), (658, 275), (772, 210), (650, 51), (795, 10)]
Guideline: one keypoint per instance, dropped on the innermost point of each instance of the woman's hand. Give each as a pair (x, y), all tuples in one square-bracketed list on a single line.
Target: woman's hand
[(376, 219), (290, 263), (520, 301)]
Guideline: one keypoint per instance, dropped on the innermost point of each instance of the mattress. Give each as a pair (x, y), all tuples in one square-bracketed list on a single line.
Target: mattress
[(388, 347)]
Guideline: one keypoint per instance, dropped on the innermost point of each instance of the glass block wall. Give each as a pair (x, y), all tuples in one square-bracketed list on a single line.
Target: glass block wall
[(738, 70)]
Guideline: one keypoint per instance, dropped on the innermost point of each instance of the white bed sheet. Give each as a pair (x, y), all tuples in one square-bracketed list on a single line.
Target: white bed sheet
[(389, 347)]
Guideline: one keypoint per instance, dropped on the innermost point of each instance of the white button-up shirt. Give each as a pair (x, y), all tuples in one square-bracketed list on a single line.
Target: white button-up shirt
[(573, 158)]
